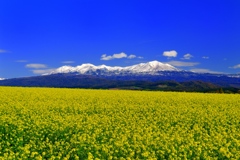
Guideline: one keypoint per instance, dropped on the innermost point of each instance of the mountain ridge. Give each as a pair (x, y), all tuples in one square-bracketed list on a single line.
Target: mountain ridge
[(151, 67), (64, 80), (166, 81)]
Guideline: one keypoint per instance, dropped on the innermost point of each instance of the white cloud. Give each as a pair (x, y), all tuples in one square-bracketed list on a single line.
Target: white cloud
[(22, 61), (118, 56), (182, 64), (43, 71), (187, 56), (105, 57), (205, 57), (201, 70), (131, 56), (36, 65), (236, 66), (2, 79), (114, 56), (3, 51), (68, 62), (172, 53)]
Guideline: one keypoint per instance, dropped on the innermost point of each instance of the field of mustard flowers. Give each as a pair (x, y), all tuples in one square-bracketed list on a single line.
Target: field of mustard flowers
[(48, 123)]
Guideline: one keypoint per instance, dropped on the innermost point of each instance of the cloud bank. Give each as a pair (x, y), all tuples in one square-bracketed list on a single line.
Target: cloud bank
[(236, 66), (182, 64), (68, 62), (36, 65), (200, 70), (38, 68), (42, 71)]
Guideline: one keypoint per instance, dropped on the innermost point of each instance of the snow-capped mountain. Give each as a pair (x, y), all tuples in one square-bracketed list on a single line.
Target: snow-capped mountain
[(148, 75), (152, 68)]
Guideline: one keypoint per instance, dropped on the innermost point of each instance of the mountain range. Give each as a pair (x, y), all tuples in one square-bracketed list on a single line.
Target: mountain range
[(152, 75), (151, 68)]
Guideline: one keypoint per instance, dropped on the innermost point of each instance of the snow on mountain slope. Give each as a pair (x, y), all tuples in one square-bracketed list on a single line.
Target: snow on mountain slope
[(64, 69), (143, 68), (153, 66)]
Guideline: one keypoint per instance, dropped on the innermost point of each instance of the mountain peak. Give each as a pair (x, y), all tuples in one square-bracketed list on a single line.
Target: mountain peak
[(152, 67), (155, 62), (87, 64), (64, 69)]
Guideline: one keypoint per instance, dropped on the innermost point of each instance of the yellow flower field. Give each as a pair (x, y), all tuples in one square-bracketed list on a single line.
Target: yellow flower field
[(48, 123)]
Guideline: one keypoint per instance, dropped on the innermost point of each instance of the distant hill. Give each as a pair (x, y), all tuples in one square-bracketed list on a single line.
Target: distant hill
[(136, 83)]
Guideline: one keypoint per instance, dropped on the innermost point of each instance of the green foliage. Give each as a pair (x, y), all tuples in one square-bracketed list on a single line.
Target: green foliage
[(43, 123)]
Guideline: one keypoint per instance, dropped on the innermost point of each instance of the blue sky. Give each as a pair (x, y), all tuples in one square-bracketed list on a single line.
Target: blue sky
[(41, 35)]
